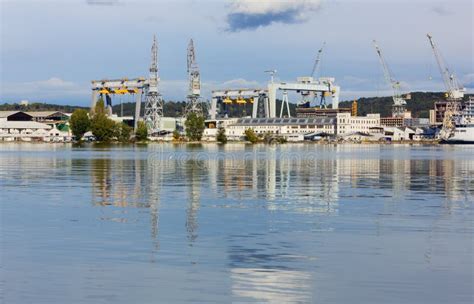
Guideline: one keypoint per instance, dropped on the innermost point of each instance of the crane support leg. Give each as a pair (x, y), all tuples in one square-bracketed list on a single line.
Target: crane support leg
[(138, 104)]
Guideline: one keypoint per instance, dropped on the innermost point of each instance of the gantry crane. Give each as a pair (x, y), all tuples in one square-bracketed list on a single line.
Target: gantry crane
[(454, 93), (399, 103), (193, 103)]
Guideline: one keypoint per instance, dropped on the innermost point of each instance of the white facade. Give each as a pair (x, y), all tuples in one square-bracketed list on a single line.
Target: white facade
[(281, 126), (399, 133), (30, 130), (347, 124), (213, 125)]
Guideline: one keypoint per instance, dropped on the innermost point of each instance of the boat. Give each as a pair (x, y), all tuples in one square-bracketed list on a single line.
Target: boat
[(463, 131)]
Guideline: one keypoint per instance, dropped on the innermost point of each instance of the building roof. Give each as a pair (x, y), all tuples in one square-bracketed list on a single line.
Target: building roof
[(45, 113), (5, 114), (23, 125), (285, 121)]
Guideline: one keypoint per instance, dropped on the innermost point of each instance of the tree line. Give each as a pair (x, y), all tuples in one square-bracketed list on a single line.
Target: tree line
[(103, 128)]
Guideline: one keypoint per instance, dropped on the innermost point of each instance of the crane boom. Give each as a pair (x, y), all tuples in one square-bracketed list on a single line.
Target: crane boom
[(453, 89), (318, 60), (398, 108)]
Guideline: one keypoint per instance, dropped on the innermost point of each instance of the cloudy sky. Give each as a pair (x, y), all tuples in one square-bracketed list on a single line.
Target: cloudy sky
[(51, 49)]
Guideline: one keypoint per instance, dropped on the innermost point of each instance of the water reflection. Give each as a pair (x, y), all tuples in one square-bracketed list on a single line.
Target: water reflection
[(263, 223), (193, 173), (267, 270)]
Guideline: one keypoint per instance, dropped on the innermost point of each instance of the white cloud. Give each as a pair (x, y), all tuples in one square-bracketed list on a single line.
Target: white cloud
[(272, 6), (252, 14), (53, 87)]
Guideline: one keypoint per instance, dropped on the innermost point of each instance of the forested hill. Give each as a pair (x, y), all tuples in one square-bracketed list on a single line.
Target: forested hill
[(419, 104), (37, 106)]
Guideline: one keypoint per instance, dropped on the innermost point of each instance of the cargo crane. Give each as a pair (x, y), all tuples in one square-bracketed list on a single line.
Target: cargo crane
[(193, 104), (305, 102), (454, 93), (399, 103), (317, 61), (154, 100)]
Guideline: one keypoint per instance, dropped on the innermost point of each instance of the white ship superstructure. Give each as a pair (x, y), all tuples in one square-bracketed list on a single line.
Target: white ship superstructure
[(464, 125)]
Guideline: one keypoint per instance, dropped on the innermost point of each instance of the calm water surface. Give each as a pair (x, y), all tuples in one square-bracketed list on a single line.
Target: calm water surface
[(164, 223)]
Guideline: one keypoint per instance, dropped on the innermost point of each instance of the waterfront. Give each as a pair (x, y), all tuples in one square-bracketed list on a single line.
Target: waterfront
[(163, 223)]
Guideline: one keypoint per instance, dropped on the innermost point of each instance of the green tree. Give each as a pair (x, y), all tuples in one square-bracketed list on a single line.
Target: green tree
[(122, 132), (176, 135), (194, 126), (221, 137), (102, 127), (80, 123), (251, 136), (142, 131)]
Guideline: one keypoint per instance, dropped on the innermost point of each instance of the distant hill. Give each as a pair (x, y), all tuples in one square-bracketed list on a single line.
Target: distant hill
[(176, 109), (419, 104), (37, 106)]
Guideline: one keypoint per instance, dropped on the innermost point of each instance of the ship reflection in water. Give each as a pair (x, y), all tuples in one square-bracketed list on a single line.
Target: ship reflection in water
[(212, 223)]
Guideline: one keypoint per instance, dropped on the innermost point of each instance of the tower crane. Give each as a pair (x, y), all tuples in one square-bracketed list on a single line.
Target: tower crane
[(399, 104), (193, 104), (454, 93)]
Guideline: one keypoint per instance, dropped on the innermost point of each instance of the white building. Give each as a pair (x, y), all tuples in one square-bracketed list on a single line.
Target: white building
[(399, 133), (290, 128), (23, 130), (213, 125), (31, 131), (347, 124)]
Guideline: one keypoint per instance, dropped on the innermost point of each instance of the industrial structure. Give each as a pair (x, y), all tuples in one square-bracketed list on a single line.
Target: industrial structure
[(223, 99), (323, 87), (305, 102), (193, 103), (153, 100), (454, 93), (264, 100), (106, 89), (399, 103), (310, 118)]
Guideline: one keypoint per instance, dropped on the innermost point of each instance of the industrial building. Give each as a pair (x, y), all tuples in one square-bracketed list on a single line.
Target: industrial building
[(347, 124), (284, 127), (25, 126), (302, 112)]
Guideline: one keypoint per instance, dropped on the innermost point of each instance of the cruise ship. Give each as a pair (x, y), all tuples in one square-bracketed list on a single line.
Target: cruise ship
[(463, 132)]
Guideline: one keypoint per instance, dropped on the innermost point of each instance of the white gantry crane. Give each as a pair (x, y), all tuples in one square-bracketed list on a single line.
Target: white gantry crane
[(193, 104), (154, 100), (454, 93), (399, 104)]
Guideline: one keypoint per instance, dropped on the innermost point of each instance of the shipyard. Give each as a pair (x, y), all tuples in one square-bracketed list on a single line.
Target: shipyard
[(317, 116)]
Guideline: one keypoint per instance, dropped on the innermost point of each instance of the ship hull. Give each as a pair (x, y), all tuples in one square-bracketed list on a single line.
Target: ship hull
[(462, 135)]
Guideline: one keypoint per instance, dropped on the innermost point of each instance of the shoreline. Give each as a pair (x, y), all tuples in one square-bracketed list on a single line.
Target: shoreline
[(423, 142)]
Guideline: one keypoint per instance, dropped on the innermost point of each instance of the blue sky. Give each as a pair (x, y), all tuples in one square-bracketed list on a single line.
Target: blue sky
[(51, 49)]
